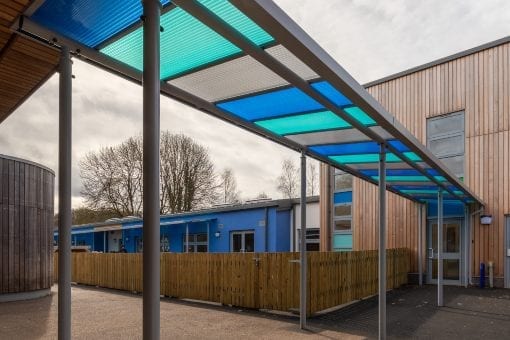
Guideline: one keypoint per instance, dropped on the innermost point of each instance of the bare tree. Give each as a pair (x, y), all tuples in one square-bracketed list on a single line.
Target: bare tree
[(228, 187), (112, 177), (188, 181), (312, 179), (287, 182)]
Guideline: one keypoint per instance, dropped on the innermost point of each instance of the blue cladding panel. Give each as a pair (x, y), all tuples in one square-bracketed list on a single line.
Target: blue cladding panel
[(342, 197), (271, 104), (342, 241), (328, 91), (89, 21)]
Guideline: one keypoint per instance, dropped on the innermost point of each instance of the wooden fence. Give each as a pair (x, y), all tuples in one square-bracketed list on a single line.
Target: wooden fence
[(249, 280)]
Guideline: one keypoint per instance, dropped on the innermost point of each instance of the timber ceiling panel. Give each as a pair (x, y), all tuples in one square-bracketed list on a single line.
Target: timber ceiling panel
[(24, 64)]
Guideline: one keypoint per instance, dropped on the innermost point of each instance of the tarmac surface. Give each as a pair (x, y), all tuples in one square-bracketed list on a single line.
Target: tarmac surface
[(470, 313)]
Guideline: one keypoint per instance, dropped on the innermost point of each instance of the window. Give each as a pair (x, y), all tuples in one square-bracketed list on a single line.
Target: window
[(312, 239), (164, 243), (342, 212), (197, 243), (445, 139), (242, 242)]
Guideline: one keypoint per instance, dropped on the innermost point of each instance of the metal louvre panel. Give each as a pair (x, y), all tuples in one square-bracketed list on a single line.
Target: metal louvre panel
[(288, 59), (233, 78)]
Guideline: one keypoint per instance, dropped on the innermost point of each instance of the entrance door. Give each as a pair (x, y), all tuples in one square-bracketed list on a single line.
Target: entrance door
[(242, 241), (507, 252), (452, 251)]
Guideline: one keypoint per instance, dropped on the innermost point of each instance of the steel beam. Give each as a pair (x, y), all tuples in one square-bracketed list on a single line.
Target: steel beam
[(303, 275), (151, 202), (382, 242), (64, 195), (440, 248)]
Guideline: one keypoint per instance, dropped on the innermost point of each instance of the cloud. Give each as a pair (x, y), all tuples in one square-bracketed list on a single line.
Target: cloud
[(369, 38)]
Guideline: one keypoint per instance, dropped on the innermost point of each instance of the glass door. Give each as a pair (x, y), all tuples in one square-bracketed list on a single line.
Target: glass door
[(452, 251), (242, 241)]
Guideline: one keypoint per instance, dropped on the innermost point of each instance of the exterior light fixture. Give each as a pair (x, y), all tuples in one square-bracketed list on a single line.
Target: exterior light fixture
[(486, 219), (217, 234)]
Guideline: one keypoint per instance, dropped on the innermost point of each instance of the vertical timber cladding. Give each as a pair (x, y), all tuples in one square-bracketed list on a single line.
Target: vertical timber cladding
[(477, 83), (26, 226)]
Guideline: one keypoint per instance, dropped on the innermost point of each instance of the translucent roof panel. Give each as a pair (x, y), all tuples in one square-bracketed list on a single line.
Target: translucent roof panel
[(318, 121), (355, 148), (337, 137), (271, 104), (240, 76), (284, 56), (373, 158), (187, 43), (89, 22), (327, 90), (235, 18), (230, 79)]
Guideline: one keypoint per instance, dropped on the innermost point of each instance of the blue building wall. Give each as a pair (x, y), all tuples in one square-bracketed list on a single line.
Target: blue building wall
[(271, 231)]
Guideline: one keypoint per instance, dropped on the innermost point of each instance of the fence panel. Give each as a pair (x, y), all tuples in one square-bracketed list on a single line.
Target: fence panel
[(249, 280)]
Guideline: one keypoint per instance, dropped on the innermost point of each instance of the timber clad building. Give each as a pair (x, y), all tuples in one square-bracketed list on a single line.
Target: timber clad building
[(459, 107)]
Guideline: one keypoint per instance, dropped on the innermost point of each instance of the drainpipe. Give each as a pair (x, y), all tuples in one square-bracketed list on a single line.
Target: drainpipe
[(294, 228)]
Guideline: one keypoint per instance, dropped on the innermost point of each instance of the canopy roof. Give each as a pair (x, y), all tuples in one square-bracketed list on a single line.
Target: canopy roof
[(248, 63)]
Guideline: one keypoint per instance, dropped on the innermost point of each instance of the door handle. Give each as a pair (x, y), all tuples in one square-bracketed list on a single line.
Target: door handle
[(431, 253)]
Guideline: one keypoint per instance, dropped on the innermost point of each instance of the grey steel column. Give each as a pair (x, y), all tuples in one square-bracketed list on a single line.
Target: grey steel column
[(440, 248), (420, 245), (303, 281), (382, 242), (64, 195), (151, 129)]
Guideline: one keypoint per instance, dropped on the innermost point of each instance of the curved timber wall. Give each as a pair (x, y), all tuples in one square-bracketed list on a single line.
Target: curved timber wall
[(26, 229)]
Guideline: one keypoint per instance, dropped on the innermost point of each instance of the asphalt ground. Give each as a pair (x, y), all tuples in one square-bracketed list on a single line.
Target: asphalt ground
[(469, 313)]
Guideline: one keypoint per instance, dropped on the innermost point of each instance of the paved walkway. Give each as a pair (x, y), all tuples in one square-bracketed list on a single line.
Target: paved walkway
[(107, 314)]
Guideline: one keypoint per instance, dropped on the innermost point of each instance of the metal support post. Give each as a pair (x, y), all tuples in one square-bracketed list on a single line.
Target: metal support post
[(420, 245), (382, 242), (151, 204), (440, 248), (303, 267), (64, 195)]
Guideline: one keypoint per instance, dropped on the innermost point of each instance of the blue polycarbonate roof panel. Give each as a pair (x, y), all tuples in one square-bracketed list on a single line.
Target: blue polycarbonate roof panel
[(271, 104), (402, 172), (354, 148), (328, 91), (89, 22), (235, 18)]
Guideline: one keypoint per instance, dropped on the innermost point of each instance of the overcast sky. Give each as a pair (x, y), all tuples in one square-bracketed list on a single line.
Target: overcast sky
[(369, 38)]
